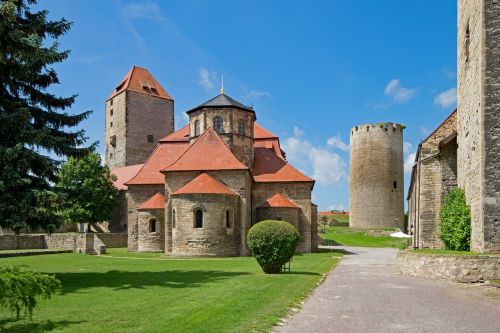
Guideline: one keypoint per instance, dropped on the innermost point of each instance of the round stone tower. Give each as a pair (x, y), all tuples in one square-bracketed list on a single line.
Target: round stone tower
[(376, 176)]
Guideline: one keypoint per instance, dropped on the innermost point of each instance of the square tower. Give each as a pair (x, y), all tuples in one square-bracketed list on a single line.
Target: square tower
[(138, 113), (478, 104)]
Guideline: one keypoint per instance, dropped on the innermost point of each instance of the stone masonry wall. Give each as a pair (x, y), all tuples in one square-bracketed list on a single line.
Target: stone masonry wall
[(113, 240), (449, 267), (290, 215), (149, 241)]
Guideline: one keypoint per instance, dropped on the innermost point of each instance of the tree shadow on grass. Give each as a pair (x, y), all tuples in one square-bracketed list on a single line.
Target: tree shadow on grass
[(123, 280), (24, 326)]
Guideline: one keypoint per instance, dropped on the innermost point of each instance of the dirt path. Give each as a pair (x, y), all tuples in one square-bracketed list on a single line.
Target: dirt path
[(363, 294)]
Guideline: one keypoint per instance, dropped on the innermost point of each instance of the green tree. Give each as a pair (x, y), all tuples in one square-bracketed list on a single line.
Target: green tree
[(455, 222), (34, 125), (87, 191)]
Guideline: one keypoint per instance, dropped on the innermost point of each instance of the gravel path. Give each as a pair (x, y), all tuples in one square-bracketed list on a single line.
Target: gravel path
[(364, 294)]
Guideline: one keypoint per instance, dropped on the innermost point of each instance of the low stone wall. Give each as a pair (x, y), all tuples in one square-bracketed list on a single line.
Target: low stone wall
[(77, 242), (113, 239), (449, 267)]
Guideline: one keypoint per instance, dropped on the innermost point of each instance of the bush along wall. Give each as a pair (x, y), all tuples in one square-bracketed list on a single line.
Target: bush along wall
[(455, 221)]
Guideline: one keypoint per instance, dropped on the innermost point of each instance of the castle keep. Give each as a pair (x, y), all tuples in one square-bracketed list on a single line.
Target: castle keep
[(376, 197), (465, 149), (198, 190)]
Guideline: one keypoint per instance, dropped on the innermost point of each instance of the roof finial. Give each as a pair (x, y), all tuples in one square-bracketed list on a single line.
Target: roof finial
[(222, 86)]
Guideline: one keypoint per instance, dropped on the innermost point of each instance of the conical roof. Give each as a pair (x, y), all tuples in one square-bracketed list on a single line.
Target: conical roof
[(204, 184), (157, 201), (278, 201)]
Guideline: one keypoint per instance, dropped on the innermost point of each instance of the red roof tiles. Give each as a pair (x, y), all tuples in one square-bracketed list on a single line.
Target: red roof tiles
[(164, 155), (278, 201), (140, 80), (179, 135), (260, 132), (157, 201), (268, 167), (124, 174), (209, 152), (204, 184)]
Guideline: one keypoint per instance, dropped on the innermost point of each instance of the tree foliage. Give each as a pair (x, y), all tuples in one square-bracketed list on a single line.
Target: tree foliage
[(19, 289), (86, 189), (455, 225), (272, 243), (34, 123)]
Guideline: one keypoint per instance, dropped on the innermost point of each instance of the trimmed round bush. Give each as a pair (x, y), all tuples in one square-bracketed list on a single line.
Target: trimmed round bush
[(272, 243), (455, 222)]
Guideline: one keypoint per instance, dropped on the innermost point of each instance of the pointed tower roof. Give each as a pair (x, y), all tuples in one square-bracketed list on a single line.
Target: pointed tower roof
[(157, 201), (222, 101), (209, 152), (140, 80), (204, 184), (278, 201)]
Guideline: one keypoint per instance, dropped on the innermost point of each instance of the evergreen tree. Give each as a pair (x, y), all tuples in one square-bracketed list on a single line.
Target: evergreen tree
[(34, 125), (86, 189)]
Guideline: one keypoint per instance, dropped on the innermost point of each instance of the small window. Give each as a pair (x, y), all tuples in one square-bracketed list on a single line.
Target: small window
[(198, 219), (395, 184), (110, 155), (150, 138), (111, 112), (154, 91), (146, 89), (112, 140), (111, 102), (152, 225), (467, 43), (196, 127), (241, 127), (218, 124), (111, 124), (228, 219), (173, 218)]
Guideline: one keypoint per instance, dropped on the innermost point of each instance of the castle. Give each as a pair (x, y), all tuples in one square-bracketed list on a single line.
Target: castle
[(464, 150), (198, 190)]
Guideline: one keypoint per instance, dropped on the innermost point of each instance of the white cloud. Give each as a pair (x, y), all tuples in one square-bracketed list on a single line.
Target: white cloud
[(336, 142), (339, 207), (407, 147), (409, 162), (147, 10), (327, 167), (446, 98), (399, 93), (207, 78), (256, 94)]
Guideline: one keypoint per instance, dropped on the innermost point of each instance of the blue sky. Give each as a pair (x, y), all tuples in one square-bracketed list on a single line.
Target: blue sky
[(311, 69)]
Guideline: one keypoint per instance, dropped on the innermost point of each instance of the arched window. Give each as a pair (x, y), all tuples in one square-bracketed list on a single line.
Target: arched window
[(241, 127), (198, 218), (173, 218), (228, 219), (218, 124), (196, 127), (152, 225)]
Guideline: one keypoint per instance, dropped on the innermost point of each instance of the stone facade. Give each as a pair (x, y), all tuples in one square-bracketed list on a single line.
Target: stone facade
[(376, 186), (449, 267), (434, 174), (151, 230), (478, 118)]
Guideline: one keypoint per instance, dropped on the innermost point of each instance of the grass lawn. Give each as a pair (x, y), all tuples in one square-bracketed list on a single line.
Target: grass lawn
[(132, 292), (356, 237)]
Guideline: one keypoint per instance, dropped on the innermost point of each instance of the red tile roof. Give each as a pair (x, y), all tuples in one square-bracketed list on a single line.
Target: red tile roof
[(260, 132), (268, 167), (157, 201), (179, 135), (140, 80), (278, 201), (124, 174), (204, 184), (164, 155), (209, 152)]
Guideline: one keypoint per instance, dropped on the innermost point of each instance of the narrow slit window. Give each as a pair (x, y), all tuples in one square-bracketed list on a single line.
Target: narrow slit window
[(198, 219), (395, 184), (152, 225), (218, 124), (196, 127), (228, 219), (173, 218)]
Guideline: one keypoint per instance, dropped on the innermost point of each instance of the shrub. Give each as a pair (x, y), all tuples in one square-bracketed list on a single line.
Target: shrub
[(272, 243), (455, 221), (19, 289)]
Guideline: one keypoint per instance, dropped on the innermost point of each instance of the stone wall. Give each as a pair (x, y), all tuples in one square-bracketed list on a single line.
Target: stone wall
[(151, 238), (449, 267), (376, 186), (77, 242), (290, 215), (478, 102), (113, 240)]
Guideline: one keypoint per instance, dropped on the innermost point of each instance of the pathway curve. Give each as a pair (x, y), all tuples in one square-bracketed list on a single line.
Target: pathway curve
[(364, 294)]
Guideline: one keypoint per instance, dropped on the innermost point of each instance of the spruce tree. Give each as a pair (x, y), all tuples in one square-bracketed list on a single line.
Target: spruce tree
[(35, 126)]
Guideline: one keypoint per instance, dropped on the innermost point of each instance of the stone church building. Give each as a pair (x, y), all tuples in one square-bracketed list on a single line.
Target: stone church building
[(198, 190), (464, 150)]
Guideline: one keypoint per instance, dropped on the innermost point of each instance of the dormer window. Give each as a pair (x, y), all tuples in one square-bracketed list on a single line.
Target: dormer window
[(218, 124), (196, 127)]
